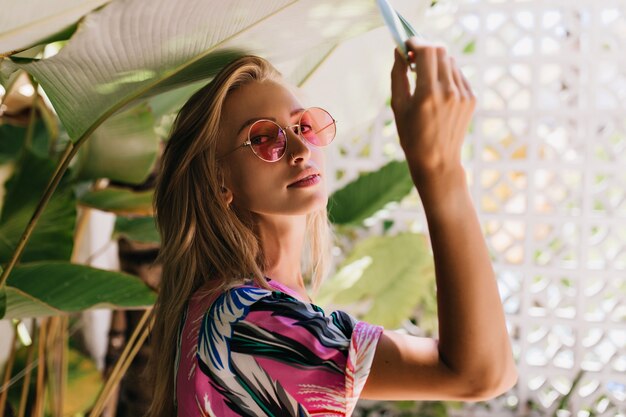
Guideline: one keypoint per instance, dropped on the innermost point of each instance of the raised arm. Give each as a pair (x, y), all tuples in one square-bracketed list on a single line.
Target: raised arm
[(472, 359)]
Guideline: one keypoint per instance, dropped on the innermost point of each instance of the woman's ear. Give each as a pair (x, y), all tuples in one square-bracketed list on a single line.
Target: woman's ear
[(226, 195)]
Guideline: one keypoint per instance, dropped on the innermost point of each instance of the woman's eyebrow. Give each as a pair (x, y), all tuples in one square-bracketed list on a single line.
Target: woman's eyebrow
[(254, 119)]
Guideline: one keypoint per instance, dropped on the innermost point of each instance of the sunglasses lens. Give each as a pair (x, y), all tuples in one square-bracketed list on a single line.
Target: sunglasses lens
[(268, 140), (318, 126)]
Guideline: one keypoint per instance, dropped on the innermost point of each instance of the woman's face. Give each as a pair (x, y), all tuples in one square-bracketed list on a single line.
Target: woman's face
[(265, 187)]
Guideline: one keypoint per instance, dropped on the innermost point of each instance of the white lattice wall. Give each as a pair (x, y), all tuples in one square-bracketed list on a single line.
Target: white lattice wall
[(546, 162)]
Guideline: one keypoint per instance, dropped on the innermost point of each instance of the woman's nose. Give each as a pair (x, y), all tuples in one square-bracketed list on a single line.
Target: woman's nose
[(297, 147)]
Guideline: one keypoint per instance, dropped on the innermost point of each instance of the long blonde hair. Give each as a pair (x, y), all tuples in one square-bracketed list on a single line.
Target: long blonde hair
[(203, 242)]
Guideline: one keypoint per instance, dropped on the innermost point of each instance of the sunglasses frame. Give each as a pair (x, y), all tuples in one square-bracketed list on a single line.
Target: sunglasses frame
[(283, 129)]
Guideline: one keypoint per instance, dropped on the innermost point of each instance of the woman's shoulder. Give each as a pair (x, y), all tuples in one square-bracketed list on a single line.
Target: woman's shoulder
[(236, 298), (242, 297), (247, 301), (249, 289)]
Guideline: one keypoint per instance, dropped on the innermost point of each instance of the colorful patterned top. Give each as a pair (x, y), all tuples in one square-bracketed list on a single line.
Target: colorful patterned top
[(253, 352)]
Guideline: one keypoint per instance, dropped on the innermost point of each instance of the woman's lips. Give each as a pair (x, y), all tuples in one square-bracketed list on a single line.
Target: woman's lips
[(307, 182)]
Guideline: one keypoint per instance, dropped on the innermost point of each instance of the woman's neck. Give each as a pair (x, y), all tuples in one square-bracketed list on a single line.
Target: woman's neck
[(282, 239)]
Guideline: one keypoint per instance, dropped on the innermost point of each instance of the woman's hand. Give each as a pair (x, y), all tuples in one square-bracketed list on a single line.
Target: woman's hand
[(431, 121), (472, 359)]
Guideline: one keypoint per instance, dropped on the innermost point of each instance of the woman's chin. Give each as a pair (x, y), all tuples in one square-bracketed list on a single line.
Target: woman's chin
[(292, 209)]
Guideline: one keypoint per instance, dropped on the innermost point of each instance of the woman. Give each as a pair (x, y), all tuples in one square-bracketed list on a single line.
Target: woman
[(241, 202)]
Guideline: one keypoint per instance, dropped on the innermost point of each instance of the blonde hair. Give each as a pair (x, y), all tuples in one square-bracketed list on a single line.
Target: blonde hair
[(203, 242)]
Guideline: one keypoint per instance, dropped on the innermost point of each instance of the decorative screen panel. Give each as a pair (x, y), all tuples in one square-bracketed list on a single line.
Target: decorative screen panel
[(546, 163)]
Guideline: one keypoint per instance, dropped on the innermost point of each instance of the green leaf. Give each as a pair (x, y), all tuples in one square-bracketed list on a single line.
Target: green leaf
[(383, 271), (29, 22), (12, 141), (53, 236), (410, 31), (119, 201), (123, 149), (565, 399), (369, 193), (138, 229), (171, 101), (311, 61), (84, 382), (8, 74), (470, 47), (53, 288), (106, 67), (353, 106), (60, 37)]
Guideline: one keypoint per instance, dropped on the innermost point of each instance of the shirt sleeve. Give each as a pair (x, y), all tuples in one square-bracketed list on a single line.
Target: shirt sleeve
[(266, 353), (322, 360)]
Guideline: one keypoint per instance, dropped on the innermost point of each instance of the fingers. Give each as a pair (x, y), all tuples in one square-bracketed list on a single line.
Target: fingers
[(435, 71), (458, 81), (465, 89), (425, 58), (444, 71), (467, 85), (400, 88)]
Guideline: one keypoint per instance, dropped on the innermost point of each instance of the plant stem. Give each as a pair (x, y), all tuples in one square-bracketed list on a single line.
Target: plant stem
[(64, 162), (37, 410), (26, 386), (129, 360), (63, 359), (7, 374), (564, 403), (123, 362), (54, 366)]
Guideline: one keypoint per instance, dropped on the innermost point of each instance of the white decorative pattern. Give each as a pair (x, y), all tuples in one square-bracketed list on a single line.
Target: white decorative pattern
[(546, 162)]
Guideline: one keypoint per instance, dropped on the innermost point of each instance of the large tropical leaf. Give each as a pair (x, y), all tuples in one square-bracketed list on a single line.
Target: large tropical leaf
[(351, 78), (137, 229), (8, 75), (124, 148), (28, 22), (383, 280), (108, 63), (119, 201), (53, 236), (369, 193), (316, 74), (12, 141), (53, 288), (171, 101)]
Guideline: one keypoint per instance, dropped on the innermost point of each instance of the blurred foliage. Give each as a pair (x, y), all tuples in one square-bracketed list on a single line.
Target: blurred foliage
[(126, 119)]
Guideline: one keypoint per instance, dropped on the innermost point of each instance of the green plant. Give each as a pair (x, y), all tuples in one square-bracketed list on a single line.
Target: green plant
[(109, 109)]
